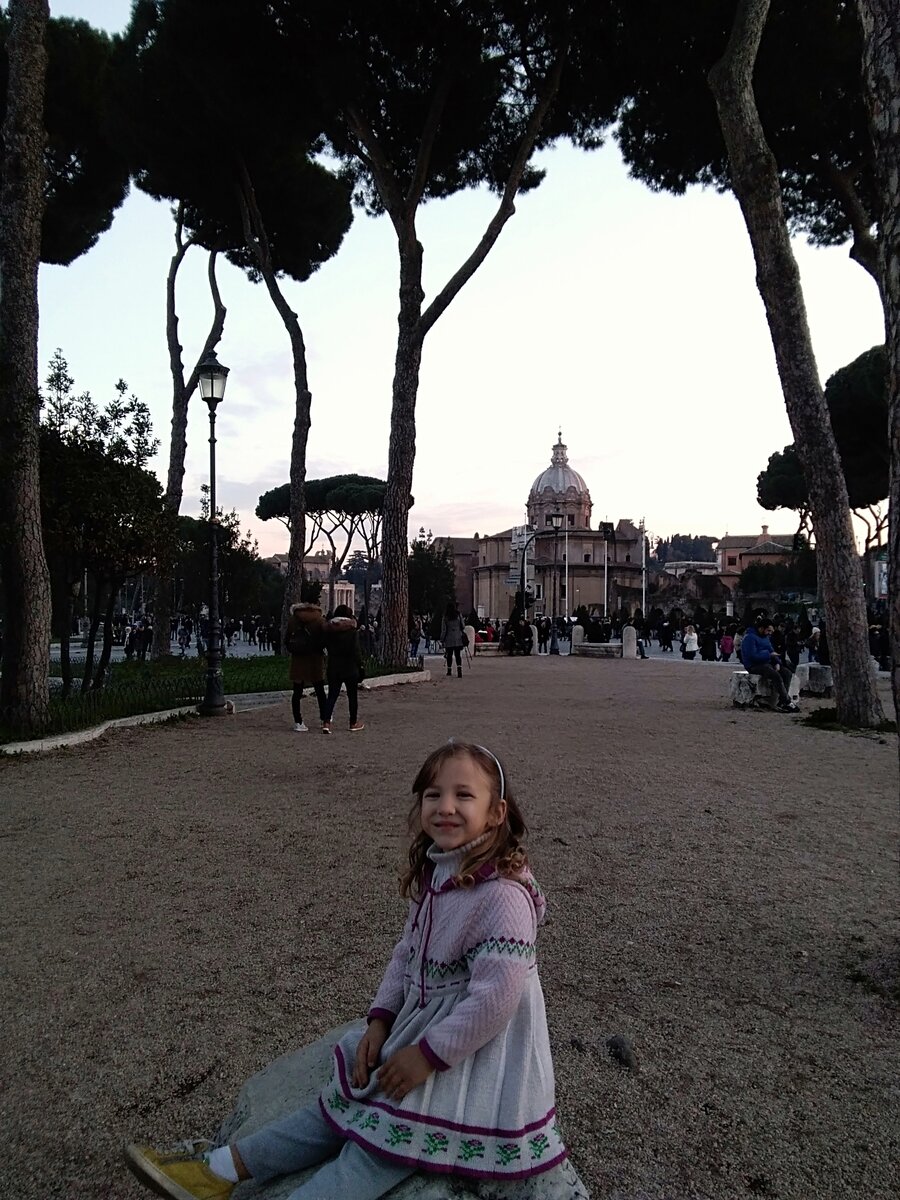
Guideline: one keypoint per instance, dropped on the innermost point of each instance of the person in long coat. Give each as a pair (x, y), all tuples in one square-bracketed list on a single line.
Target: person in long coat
[(307, 668), (453, 636), (346, 666)]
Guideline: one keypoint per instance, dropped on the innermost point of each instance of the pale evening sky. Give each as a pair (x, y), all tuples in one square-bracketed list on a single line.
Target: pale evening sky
[(630, 320)]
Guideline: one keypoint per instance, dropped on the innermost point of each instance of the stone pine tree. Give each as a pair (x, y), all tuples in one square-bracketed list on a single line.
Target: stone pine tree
[(24, 688), (244, 173), (85, 161), (756, 185), (856, 396), (58, 192), (881, 74), (423, 100), (183, 388), (806, 79), (138, 114)]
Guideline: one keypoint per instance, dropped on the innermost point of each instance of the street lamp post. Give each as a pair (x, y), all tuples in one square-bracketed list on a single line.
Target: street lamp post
[(212, 388), (556, 520), (607, 529)]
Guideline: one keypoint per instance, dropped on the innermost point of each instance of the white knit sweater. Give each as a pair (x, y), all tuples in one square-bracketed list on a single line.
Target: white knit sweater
[(462, 984)]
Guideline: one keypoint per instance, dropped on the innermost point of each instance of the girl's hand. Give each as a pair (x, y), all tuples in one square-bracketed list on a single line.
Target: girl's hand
[(367, 1052), (404, 1070)]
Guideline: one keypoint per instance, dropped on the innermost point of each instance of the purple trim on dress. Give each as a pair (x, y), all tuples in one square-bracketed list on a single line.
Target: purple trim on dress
[(487, 870), (424, 1120), (433, 1168), (434, 1059), (381, 1014)]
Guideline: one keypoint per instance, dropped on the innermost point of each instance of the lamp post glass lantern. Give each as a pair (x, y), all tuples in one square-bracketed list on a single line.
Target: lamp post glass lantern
[(556, 520), (213, 376)]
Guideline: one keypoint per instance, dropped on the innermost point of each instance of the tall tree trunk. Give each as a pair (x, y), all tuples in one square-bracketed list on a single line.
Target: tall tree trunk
[(401, 457), (881, 76), (414, 324), (106, 652), (258, 242), (754, 179), (181, 395), (87, 678), (24, 685)]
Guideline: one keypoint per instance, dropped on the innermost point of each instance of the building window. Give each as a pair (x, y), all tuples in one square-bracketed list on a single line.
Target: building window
[(562, 591), (571, 518), (732, 560), (587, 558), (547, 521), (628, 558)]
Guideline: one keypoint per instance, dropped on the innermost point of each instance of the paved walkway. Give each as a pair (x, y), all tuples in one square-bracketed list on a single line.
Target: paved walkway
[(179, 904)]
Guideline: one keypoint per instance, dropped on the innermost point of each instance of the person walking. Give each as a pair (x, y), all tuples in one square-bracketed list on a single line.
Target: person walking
[(453, 636), (304, 640), (345, 666), (415, 637)]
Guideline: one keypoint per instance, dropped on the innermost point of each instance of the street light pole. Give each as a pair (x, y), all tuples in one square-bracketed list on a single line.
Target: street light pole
[(212, 389), (606, 528), (556, 522)]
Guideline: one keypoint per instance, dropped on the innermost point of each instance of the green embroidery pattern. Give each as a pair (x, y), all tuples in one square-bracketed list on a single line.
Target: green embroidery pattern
[(336, 1102), (470, 1148), (508, 1152), (435, 969), (399, 1135), (435, 1143), (539, 1145), (371, 1121)]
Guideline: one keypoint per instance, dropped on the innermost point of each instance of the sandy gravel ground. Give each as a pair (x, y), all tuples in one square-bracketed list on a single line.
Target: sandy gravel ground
[(180, 904)]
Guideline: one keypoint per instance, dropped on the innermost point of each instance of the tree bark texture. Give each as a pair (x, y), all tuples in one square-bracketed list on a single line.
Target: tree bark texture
[(24, 687), (754, 178), (257, 241), (880, 21), (181, 394)]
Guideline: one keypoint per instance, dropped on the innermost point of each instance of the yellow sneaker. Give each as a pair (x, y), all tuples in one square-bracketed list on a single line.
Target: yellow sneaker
[(180, 1173)]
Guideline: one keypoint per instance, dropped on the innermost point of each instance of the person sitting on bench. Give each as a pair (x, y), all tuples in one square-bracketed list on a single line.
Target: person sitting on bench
[(760, 659)]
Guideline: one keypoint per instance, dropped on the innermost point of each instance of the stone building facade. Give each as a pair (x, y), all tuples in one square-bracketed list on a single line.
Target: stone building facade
[(578, 565)]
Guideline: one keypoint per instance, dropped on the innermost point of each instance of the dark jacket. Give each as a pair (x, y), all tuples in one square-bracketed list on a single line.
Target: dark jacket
[(453, 632), (345, 658), (308, 668)]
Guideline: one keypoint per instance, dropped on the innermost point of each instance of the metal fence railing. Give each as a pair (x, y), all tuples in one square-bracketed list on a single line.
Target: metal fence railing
[(135, 687)]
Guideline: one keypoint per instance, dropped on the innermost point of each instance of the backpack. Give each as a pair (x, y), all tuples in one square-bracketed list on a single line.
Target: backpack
[(301, 641)]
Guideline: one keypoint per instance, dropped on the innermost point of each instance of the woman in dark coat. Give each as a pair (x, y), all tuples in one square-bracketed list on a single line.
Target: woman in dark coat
[(345, 665), (306, 633), (453, 636)]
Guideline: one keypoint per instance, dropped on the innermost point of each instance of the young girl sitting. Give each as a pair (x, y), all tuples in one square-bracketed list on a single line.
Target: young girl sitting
[(453, 1073)]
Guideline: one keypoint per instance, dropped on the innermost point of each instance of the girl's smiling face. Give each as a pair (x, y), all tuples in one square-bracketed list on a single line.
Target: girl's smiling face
[(458, 806)]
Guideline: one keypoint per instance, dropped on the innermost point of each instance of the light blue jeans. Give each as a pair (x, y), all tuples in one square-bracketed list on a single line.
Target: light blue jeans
[(304, 1138)]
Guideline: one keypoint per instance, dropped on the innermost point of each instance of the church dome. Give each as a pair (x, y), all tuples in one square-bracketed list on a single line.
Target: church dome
[(559, 476), (559, 488)]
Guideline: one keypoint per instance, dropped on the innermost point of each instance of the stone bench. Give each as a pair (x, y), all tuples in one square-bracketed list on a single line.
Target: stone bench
[(747, 690), (814, 679), (296, 1080), (597, 649)]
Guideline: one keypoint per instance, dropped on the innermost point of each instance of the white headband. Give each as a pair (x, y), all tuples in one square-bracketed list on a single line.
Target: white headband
[(491, 755)]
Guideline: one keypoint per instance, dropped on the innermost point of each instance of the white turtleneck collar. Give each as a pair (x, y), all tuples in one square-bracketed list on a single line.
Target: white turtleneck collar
[(448, 862)]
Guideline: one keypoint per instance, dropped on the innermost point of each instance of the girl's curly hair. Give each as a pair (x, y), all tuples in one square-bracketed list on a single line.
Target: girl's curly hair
[(504, 844)]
